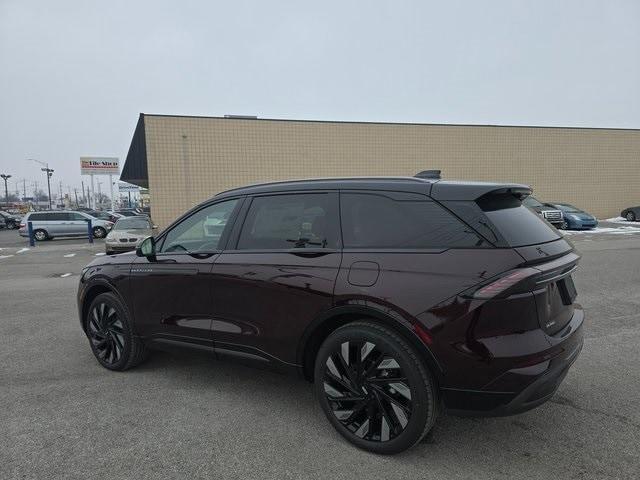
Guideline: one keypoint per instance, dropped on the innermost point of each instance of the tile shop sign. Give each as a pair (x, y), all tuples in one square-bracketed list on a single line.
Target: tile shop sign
[(99, 166)]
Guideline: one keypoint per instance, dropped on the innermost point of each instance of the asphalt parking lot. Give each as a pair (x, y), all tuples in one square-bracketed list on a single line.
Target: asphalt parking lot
[(64, 416)]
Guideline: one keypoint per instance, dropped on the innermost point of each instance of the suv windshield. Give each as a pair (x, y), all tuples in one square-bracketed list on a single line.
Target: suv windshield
[(132, 223)]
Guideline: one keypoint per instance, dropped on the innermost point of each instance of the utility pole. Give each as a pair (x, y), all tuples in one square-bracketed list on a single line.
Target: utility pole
[(75, 191), (6, 191), (24, 189), (49, 172), (84, 198)]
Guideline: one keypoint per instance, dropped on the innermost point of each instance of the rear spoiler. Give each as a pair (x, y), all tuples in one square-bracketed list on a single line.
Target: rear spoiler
[(449, 190)]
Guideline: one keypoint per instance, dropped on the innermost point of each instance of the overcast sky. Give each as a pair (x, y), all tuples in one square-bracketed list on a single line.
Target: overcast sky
[(74, 75)]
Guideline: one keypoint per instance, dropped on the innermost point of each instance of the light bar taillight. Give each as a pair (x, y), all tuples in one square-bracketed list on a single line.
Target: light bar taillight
[(504, 283)]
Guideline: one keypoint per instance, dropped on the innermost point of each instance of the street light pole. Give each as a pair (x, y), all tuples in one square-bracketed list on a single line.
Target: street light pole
[(6, 191)]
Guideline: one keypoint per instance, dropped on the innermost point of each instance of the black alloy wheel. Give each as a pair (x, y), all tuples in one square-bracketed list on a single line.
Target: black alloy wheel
[(631, 217), (99, 232), (374, 389), (106, 333), (110, 336)]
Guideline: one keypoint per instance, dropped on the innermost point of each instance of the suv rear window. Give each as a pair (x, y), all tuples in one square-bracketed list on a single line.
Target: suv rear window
[(375, 220), (505, 220)]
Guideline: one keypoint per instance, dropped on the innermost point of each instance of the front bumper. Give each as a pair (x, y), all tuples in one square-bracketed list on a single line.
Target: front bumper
[(524, 388), (120, 247)]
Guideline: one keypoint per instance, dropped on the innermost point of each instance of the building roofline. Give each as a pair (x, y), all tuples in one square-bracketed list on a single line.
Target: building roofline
[(248, 118)]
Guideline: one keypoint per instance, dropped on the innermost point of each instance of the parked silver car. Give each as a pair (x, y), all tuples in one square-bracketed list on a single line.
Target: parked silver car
[(127, 234), (63, 223)]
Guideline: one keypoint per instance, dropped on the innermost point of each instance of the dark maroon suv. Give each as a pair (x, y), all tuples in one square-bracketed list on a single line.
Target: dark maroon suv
[(396, 297)]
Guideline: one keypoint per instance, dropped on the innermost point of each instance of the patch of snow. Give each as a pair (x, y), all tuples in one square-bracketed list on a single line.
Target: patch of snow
[(626, 230), (69, 255), (100, 253), (65, 275), (5, 256), (621, 220), (22, 250)]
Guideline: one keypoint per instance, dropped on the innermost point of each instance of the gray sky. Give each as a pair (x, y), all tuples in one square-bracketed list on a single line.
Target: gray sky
[(75, 74)]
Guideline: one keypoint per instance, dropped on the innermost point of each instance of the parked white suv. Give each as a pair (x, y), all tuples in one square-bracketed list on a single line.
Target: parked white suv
[(63, 223)]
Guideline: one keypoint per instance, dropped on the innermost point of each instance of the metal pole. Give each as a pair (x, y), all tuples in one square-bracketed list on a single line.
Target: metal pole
[(24, 189), (90, 230), (92, 198), (84, 199), (49, 184), (113, 200), (75, 191), (32, 240)]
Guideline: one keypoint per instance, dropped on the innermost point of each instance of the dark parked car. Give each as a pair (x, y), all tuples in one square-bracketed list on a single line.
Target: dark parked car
[(632, 214), (397, 297), (9, 221), (574, 218), (550, 214)]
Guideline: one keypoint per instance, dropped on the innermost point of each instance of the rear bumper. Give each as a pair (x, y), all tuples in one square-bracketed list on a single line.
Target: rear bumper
[(537, 383)]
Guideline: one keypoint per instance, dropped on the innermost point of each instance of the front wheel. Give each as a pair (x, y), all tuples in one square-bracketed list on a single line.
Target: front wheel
[(99, 232), (374, 388), (631, 217), (110, 334)]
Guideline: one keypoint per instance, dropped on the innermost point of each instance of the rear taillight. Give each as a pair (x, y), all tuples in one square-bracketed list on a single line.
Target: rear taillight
[(515, 281), (22, 225)]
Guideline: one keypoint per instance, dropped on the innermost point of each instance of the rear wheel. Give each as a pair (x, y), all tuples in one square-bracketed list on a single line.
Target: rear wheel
[(40, 235), (631, 217), (110, 334), (374, 388)]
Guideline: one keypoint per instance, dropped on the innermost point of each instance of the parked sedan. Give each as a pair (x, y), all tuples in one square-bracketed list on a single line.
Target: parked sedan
[(574, 218), (127, 234), (632, 214)]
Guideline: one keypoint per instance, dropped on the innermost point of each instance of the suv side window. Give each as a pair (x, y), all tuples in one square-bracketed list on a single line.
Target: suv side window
[(75, 216), (55, 217), (376, 220), (200, 232), (36, 217), (283, 222)]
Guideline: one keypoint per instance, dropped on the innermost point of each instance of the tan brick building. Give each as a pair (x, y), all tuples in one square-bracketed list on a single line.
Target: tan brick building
[(185, 160)]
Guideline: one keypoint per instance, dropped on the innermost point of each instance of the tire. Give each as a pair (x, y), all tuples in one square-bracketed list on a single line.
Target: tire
[(108, 252), (564, 225), (631, 217), (110, 333), (99, 232), (40, 235), (378, 414), (11, 226)]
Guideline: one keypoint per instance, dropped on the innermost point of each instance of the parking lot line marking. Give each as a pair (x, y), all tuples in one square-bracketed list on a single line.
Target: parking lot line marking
[(69, 255), (5, 256), (65, 275), (22, 250)]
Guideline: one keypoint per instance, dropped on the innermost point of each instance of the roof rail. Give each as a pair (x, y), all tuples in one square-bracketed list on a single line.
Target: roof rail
[(430, 174)]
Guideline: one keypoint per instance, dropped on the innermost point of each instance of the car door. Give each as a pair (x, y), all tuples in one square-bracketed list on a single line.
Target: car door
[(172, 291), (56, 223), (77, 223), (277, 275)]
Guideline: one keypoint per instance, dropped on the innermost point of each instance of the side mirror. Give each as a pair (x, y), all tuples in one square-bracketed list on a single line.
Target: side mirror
[(147, 248)]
